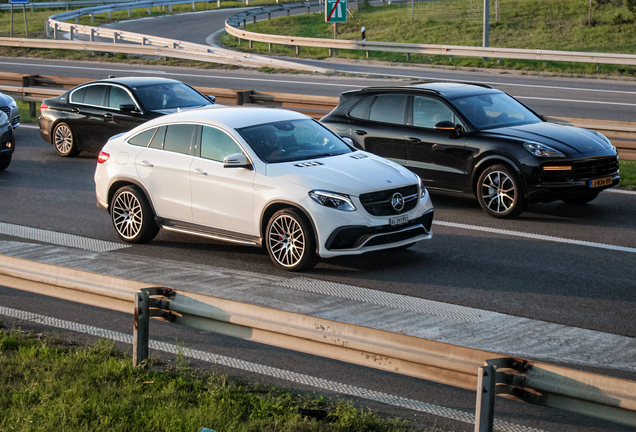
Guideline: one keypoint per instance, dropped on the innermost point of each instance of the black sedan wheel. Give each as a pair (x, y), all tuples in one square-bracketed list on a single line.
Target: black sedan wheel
[(132, 216), (64, 141), (499, 192), (290, 241), (580, 200)]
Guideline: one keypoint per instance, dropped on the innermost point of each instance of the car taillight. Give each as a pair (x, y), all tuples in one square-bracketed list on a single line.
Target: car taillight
[(103, 157), (43, 107)]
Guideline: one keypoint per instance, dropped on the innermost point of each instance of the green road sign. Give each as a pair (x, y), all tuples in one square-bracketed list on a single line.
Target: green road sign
[(336, 11)]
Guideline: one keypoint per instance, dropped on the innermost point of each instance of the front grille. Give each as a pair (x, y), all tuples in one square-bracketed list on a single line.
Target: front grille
[(15, 121), (6, 110), (379, 203), (595, 168), (582, 170)]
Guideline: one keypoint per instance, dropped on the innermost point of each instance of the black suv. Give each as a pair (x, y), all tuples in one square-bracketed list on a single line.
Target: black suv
[(85, 117), (472, 139)]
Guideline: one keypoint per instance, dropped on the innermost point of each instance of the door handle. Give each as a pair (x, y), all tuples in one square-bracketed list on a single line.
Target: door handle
[(200, 171), (75, 110), (146, 164), (415, 140), (108, 116), (361, 132)]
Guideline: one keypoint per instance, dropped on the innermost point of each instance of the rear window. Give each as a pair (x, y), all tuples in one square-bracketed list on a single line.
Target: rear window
[(78, 95)]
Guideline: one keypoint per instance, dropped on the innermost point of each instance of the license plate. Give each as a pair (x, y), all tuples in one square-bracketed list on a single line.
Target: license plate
[(607, 181), (401, 220)]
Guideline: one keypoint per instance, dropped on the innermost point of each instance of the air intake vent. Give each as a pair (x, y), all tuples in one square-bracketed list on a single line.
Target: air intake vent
[(359, 156), (308, 164)]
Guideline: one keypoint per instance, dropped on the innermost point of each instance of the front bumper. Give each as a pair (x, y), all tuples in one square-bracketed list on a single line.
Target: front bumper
[(353, 233), (7, 141)]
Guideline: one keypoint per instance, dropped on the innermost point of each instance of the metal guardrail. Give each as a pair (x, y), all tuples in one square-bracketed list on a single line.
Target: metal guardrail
[(232, 26), (489, 373), (63, 4), (35, 88)]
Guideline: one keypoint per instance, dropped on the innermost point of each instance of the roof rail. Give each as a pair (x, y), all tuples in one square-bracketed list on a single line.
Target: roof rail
[(455, 82), (408, 87)]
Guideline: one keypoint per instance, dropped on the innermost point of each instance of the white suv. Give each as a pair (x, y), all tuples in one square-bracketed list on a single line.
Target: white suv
[(261, 177)]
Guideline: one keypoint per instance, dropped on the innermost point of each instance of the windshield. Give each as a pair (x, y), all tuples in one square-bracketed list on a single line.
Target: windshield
[(167, 96), (293, 140), (494, 110)]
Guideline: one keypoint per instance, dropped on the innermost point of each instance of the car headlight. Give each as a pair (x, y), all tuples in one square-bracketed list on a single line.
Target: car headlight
[(13, 104), (604, 138), (4, 120), (332, 200), (420, 187), (542, 150)]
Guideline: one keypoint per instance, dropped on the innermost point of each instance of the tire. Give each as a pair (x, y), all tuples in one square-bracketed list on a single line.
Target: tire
[(499, 192), (290, 241), (132, 215), (5, 161), (580, 200), (64, 141)]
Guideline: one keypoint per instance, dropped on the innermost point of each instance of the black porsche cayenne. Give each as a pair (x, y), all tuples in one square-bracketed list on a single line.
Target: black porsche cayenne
[(472, 139), (83, 118)]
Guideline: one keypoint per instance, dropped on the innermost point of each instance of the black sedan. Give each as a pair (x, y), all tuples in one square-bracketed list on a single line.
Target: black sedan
[(473, 139), (83, 118), (7, 141)]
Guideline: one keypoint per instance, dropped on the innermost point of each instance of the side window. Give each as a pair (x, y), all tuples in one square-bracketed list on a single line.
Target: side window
[(95, 95), (78, 95), (361, 110), (157, 140), (142, 139), (179, 137), (216, 144), (119, 96), (427, 112), (389, 109)]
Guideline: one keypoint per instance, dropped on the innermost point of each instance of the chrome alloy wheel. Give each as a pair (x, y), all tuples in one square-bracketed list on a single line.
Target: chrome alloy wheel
[(286, 240), (63, 139), (498, 192), (127, 215)]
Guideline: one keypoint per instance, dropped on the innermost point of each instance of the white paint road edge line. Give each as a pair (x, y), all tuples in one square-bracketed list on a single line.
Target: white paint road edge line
[(269, 371), (535, 236)]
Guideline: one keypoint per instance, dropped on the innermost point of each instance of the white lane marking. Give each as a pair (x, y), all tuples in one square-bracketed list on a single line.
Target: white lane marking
[(621, 191), (576, 101), (494, 83), (298, 378), (61, 239), (536, 236), (396, 301)]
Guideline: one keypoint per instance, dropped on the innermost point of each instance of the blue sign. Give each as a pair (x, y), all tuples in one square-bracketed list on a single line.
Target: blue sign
[(22, 2)]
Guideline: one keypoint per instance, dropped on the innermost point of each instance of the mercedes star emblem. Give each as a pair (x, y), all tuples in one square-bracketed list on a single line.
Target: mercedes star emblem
[(397, 202)]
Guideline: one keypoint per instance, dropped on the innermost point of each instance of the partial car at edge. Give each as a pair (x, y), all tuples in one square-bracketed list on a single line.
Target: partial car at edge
[(7, 141), (472, 139), (259, 177)]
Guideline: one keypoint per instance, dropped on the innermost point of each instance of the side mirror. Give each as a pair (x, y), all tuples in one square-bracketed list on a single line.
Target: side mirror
[(236, 160), (455, 130), (348, 141), (128, 107), (212, 98)]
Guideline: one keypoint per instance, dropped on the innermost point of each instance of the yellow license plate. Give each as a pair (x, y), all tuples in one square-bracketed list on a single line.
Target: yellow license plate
[(607, 181)]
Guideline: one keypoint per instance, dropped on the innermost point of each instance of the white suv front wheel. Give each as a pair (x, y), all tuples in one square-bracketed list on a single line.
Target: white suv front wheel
[(290, 241)]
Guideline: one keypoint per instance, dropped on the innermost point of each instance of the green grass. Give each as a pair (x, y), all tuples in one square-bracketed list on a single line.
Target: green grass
[(51, 385), (628, 174), (530, 24), (25, 115)]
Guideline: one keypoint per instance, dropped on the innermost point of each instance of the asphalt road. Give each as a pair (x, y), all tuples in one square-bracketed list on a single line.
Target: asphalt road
[(573, 284)]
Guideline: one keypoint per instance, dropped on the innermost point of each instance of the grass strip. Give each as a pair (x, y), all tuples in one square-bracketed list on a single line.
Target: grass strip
[(531, 24), (50, 384)]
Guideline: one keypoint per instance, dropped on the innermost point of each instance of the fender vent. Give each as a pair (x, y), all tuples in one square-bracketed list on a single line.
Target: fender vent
[(308, 164)]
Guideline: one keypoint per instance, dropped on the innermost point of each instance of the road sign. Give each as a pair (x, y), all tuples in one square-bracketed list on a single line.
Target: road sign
[(336, 11), (22, 2)]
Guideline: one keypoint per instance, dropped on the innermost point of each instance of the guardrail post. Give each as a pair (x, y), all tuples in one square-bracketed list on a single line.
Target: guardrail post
[(142, 327), (149, 11), (170, 8), (143, 41), (92, 17), (114, 37), (308, 9), (70, 33), (485, 409), (129, 13), (287, 11), (251, 44), (194, 6), (269, 15), (408, 57), (92, 36), (110, 14), (297, 49), (254, 19), (270, 47), (218, 3), (32, 109), (47, 28), (55, 31), (77, 20)]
